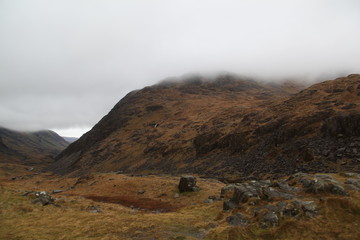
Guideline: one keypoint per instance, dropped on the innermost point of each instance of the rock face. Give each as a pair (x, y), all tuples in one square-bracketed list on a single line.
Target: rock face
[(298, 196), (188, 184), (229, 126)]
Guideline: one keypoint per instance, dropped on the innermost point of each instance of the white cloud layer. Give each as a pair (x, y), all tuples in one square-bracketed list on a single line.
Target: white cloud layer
[(65, 63)]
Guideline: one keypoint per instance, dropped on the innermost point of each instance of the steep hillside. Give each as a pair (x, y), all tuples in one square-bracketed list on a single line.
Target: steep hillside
[(228, 127), (30, 148)]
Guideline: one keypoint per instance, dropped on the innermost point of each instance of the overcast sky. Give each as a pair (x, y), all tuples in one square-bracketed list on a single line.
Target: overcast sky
[(64, 64)]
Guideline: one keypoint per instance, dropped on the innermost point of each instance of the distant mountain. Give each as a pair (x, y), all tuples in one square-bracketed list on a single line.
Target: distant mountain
[(229, 127), (30, 148), (70, 139)]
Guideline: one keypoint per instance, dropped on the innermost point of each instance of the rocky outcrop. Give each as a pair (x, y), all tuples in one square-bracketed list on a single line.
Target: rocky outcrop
[(344, 125), (299, 196)]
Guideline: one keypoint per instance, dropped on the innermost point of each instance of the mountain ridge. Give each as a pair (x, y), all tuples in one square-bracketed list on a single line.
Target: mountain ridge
[(30, 148), (227, 127)]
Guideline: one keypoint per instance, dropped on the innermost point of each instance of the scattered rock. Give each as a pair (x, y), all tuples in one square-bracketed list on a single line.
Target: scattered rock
[(318, 184), (176, 195), (93, 209), (57, 191), (188, 184), (271, 198), (141, 191)]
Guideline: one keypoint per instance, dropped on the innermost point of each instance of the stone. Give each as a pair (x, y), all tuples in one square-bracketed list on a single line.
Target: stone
[(176, 195), (271, 218), (188, 184), (291, 211), (43, 198), (228, 190), (243, 192), (228, 205), (271, 193), (237, 220), (308, 206), (57, 191), (93, 209), (141, 191)]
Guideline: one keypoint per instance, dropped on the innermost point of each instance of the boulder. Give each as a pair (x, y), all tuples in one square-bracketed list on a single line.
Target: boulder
[(188, 184), (271, 193), (227, 191), (44, 198), (271, 218), (243, 192), (228, 205), (237, 220)]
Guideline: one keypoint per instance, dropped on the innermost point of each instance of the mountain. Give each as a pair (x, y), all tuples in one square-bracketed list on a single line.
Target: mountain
[(30, 148), (228, 127)]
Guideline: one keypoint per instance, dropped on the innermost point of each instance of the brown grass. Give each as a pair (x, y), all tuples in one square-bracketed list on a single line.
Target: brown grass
[(339, 218)]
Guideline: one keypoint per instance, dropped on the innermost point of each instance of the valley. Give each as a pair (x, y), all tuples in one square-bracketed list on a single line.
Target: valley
[(270, 161)]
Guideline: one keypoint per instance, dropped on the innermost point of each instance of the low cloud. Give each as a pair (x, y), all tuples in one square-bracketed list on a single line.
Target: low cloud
[(64, 64)]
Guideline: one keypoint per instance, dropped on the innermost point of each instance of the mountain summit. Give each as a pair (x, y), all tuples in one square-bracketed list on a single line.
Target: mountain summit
[(227, 127)]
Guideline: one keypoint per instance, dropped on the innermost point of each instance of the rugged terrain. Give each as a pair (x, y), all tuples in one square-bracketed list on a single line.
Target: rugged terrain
[(121, 179), (118, 206), (228, 127), (29, 148)]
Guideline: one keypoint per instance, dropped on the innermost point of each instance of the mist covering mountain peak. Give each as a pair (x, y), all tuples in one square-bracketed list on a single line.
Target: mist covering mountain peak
[(227, 126)]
